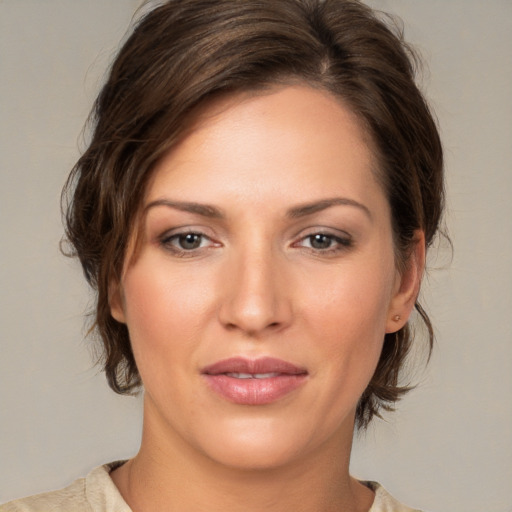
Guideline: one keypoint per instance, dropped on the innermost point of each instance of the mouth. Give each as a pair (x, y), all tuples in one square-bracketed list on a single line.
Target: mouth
[(254, 381)]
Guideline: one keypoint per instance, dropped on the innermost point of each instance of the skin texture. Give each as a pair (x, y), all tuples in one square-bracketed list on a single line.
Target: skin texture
[(258, 285)]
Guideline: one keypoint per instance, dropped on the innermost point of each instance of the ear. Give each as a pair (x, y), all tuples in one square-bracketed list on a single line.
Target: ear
[(116, 301), (407, 285)]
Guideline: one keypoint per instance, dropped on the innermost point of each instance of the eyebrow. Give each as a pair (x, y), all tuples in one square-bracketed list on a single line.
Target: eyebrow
[(317, 206), (303, 210), (204, 210)]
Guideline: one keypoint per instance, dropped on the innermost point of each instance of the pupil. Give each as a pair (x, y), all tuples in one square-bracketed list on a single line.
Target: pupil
[(320, 241), (190, 241)]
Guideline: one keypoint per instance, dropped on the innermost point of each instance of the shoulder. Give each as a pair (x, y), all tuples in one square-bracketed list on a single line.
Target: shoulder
[(94, 493), (384, 502)]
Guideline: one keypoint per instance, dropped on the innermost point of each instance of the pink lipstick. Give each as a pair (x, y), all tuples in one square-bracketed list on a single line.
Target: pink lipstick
[(254, 381)]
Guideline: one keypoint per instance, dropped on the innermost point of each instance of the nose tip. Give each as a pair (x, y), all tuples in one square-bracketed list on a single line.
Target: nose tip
[(252, 316), (256, 299)]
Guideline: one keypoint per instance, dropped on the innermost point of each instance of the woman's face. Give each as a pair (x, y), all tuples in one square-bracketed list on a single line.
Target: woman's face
[(265, 283)]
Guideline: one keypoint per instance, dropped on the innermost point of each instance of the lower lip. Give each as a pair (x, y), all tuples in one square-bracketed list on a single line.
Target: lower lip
[(254, 391)]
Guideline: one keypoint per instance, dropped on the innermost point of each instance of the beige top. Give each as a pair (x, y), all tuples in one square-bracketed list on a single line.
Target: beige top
[(97, 493)]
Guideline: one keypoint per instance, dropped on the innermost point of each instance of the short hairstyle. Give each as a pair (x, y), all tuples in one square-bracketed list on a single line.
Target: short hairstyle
[(183, 54)]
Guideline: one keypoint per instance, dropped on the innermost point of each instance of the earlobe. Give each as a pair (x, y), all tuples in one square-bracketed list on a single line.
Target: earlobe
[(116, 302), (408, 286)]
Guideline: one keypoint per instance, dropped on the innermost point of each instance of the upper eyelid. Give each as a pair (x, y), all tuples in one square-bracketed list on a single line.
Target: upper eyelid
[(323, 230), (178, 232), (184, 230), (335, 238)]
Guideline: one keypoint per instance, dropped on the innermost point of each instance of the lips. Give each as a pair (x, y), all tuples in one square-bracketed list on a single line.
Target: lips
[(254, 381)]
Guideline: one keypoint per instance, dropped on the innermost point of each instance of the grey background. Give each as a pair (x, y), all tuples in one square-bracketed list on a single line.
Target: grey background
[(449, 446)]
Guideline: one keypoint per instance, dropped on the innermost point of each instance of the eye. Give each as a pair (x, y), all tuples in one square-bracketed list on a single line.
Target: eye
[(186, 242), (320, 241), (325, 242), (189, 241)]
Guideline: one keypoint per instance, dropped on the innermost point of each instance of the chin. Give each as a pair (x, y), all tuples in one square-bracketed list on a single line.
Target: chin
[(254, 456), (258, 444)]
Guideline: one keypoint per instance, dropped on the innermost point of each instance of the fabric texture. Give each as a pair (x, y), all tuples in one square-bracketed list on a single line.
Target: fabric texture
[(97, 493)]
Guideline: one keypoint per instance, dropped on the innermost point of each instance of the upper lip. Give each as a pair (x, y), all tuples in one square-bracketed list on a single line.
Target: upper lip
[(253, 366)]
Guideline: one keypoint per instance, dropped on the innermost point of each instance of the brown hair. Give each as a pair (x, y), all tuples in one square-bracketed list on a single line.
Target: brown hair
[(184, 53)]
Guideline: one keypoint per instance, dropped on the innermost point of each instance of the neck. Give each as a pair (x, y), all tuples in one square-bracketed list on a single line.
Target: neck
[(168, 475)]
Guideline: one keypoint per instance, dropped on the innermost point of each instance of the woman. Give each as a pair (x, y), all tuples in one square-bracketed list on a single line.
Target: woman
[(253, 210)]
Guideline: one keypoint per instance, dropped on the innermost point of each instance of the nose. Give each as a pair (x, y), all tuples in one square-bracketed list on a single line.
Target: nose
[(256, 299)]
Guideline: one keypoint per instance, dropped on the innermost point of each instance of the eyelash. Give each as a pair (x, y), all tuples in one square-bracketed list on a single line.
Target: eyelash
[(337, 243), (167, 242)]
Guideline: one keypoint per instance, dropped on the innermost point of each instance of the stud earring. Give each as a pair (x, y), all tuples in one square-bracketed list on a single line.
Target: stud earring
[(396, 318)]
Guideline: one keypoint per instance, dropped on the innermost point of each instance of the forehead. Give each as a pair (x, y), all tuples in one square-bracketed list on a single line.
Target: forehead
[(287, 138)]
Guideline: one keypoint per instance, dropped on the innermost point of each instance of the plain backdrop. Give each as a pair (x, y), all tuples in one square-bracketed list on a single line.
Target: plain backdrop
[(449, 446)]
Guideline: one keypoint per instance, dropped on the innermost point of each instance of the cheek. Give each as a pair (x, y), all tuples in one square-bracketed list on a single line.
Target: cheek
[(349, 317), (352, 300), (163, 312)]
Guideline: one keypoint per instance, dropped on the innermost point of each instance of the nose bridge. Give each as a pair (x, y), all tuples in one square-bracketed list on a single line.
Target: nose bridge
[(256, 298)]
